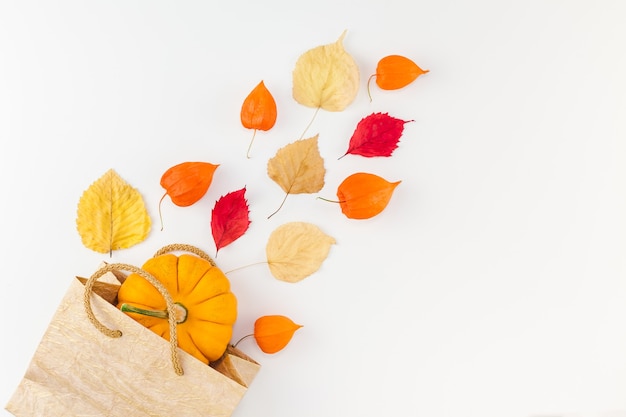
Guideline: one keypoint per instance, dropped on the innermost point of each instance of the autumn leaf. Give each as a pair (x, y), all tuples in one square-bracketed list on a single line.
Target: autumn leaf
[(394, 72), (376, 135), (326, 77), (298, 168), (272, 333), (230, 218), (112, 215), (258, 111), (296, 250)]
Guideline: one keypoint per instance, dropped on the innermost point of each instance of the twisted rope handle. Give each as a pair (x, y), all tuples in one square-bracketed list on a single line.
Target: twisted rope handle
[(117, 333), (185, 248)]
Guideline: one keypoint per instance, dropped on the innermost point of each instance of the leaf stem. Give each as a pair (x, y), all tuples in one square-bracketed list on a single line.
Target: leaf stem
[(310, 123), (245, 266), (279, 207)]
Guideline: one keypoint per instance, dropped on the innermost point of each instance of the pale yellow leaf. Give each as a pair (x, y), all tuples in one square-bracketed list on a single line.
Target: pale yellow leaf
[(326, 77), (112, 215), (298, 168), (296, 250)]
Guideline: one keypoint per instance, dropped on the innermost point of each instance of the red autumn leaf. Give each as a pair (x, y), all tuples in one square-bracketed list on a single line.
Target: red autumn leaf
[(230, 218), (376, 135)]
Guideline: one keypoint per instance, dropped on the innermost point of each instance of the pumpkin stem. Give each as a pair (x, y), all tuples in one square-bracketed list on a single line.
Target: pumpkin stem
[(181, 312)]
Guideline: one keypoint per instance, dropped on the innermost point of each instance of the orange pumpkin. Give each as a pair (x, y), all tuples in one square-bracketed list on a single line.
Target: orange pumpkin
[(206, 308)]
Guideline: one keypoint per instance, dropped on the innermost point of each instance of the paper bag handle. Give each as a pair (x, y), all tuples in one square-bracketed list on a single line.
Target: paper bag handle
[(117, 333)]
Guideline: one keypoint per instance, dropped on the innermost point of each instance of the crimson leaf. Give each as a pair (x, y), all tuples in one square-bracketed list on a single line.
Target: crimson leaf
[(230, 218), (376, 135)]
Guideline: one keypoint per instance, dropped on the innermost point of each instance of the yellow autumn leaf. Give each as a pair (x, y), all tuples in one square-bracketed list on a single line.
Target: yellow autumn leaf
[(112, 215), (296, 250), (298, 168), (326, 77)]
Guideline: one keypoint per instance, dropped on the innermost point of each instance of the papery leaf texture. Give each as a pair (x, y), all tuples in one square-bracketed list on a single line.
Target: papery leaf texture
[(112, 215), (363, 195), (326, 77), (296, 250), (376, 135), (273, 332), (298, 168), (230, 218)]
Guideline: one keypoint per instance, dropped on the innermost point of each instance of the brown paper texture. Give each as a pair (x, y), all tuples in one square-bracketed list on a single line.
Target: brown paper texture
[(78, 371)]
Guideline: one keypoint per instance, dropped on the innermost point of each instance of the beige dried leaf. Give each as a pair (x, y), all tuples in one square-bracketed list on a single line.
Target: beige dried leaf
[(298, 168), (296, 250), (112, 215), (326, 77)]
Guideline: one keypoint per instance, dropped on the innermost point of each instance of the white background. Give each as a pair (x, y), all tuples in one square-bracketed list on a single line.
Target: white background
[(493, 285)]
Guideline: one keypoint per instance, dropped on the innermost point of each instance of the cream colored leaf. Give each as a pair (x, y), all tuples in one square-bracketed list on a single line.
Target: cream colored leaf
[(298, 168), (326, 77), (296, 250), (112, 215)]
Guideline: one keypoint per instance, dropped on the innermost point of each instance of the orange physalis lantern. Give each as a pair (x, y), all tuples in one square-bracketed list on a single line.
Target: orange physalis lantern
[(363, 195), (394, 72), (258, 111), (187, 182), (273, 333)]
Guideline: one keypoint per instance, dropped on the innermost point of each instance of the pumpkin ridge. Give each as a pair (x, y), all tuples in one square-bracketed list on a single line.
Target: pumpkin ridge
[(191, 346), (220, 334), (193, 270), (204, 300), (219, 323), (178, 275), (203, 277), (194, 344)]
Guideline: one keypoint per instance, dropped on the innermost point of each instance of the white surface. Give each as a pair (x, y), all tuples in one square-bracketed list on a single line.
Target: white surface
[(494, 283)]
